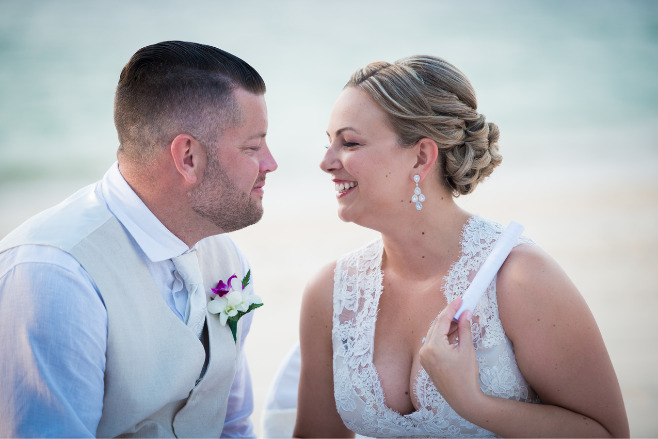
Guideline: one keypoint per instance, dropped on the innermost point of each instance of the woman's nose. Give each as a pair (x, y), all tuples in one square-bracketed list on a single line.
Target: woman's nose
[(330, 161)]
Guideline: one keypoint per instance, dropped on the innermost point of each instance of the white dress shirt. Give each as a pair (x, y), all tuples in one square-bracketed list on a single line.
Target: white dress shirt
[(53, 335)]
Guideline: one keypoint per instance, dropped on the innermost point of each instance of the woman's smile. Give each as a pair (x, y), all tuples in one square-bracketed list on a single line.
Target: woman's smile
[(344, 187)]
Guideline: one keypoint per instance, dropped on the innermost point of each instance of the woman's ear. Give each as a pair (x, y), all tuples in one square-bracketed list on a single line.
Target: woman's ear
[(189, 157), (426, 155)]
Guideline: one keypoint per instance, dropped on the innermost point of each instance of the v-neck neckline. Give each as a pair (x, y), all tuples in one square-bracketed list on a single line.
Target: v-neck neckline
[(380, 289)]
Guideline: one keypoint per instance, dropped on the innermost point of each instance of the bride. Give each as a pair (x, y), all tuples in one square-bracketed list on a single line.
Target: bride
[(405, 139)]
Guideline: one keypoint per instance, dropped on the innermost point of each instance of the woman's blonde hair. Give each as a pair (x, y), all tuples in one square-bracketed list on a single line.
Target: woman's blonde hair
[(427, 97)]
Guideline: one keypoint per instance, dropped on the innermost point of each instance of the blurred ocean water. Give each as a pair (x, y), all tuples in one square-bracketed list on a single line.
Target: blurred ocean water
[(570, 83)]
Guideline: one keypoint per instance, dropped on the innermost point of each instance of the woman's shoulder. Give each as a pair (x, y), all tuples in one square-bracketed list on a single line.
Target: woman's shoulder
[(528, 268), (485, 230), (320, 286), (531, 285), (525, 262), (322, 281)]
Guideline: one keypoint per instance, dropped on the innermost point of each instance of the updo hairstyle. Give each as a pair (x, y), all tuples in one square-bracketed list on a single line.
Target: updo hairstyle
[(427, 97)]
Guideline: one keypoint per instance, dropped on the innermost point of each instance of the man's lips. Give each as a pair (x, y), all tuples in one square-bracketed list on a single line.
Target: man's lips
[(258, 187)]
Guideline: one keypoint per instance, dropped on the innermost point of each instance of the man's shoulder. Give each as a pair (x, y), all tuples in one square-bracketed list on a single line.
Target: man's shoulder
[(63, 225), (38, 258)]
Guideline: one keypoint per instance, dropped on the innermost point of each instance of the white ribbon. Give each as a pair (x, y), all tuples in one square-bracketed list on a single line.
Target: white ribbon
[(491, 265)]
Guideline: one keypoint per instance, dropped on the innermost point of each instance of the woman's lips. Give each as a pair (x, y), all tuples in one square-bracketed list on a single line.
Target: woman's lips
[(344, 187)]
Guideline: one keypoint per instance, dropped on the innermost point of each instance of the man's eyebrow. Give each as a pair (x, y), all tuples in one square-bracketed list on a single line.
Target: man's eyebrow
[(257, 136)]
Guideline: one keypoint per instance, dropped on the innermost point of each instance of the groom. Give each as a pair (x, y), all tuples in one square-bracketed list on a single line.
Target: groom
[(103, 323)]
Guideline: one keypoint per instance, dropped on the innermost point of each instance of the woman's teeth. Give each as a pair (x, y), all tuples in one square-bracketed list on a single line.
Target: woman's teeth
[(343, 187)]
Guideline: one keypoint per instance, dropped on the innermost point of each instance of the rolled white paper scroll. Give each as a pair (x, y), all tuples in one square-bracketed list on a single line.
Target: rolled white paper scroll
[(491, 265)]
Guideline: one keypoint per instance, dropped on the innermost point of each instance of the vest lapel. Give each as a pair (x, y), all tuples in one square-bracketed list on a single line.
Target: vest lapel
[(205, 409)]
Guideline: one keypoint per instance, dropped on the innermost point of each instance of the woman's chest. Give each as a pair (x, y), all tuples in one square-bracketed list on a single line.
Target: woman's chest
[(404, 314)]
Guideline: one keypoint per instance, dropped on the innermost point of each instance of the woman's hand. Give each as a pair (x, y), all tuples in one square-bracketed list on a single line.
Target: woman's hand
[(448, 357), (558, 348)]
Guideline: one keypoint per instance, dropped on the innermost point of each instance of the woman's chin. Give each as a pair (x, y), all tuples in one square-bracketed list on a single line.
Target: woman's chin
[(345, 215), (350, 216)]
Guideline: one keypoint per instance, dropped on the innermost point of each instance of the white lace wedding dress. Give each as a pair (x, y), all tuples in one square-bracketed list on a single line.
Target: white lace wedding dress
[(359, 396)]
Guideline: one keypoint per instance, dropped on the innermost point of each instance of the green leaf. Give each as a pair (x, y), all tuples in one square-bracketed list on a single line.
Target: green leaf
[(252, 307), (245, 281), (234, 329)]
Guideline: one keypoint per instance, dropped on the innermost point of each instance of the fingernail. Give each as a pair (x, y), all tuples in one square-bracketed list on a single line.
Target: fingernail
[(469, 316)]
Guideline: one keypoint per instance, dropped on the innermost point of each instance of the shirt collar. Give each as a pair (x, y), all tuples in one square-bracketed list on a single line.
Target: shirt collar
[(157, 242)]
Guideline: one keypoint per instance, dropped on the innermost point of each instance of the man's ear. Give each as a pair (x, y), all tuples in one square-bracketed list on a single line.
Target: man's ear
[(427, 152), (189, 157)]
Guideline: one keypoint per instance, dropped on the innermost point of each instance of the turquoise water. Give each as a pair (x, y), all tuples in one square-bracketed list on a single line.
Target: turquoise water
[(567, 81)]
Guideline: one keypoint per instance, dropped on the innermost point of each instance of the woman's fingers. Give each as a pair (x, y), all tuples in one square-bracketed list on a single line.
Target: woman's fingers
[(464, 329), (445, 317), (443, 326), (448, 356)]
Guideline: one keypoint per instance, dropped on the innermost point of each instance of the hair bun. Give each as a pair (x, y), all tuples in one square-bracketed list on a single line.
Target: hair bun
[(470, 162)]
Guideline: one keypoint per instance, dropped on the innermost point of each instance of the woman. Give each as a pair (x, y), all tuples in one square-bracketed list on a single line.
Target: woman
[(405, 139)]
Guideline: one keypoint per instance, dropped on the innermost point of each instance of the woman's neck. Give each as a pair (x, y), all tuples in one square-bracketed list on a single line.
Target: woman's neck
[(426, 243)]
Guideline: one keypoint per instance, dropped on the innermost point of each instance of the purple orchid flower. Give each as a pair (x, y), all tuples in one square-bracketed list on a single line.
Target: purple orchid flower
[(222, 287)]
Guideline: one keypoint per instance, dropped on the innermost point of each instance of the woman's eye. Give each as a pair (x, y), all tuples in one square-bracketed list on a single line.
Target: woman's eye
[(344, 144)]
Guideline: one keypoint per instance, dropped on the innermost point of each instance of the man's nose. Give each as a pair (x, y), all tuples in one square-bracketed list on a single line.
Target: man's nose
[(267, 162)]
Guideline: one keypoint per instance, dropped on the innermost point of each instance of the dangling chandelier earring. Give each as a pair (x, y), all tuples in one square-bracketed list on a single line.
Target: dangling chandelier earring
[(418, 197)]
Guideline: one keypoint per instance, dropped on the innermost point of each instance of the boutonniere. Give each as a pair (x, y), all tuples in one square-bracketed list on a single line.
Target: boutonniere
[(231, 301)]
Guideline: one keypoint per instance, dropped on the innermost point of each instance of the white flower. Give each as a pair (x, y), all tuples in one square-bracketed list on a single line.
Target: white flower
[(236, 302)]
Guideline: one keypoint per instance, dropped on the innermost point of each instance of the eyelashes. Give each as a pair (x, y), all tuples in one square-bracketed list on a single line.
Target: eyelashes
[(345, 144)]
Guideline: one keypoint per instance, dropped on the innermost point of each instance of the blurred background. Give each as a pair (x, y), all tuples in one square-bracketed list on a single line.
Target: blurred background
[(571, 84)]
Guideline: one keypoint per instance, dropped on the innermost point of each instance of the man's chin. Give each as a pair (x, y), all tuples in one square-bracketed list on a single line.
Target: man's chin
[(251, 217), (257, 217)]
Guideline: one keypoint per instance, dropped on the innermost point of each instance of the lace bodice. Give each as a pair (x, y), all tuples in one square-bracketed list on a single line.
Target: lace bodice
[(359, 395)]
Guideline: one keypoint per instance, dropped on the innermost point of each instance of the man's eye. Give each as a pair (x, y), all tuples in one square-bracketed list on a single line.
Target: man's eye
[(350, 144)]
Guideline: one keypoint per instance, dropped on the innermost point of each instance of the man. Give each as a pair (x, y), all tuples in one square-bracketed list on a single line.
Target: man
[(103, 321)]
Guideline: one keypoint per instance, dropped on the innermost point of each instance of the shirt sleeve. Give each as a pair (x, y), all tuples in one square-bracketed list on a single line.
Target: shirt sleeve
[(53, 333)]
